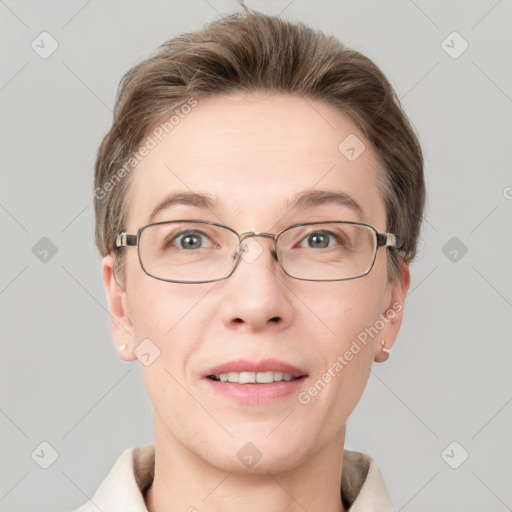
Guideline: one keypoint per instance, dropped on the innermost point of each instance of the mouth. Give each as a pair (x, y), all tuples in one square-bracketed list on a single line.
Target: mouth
[(255, 382), (254, 377)]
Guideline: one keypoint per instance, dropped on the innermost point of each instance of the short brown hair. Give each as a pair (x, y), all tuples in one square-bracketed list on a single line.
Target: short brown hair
[(248, 52)]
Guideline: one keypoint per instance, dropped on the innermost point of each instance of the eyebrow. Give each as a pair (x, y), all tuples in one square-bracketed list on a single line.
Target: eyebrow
[(312, 198), (204, 201), (302, 200)]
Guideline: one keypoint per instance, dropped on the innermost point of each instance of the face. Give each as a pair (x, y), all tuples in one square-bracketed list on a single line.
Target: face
[(253, 155)]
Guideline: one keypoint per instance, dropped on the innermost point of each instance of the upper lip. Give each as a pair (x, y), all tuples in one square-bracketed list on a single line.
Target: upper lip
[(264, 365)]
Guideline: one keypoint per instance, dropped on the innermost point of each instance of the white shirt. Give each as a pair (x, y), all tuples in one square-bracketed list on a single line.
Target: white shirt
[(362, 485)]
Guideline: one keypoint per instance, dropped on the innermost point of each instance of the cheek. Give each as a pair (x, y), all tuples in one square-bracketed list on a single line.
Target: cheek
[(345, 348), (349, 307), (167, 326), (169, 322), (344, 357), (149, 312), (158, 308), (348, 351)]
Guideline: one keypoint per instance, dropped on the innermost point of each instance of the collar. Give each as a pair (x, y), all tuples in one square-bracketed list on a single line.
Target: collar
[(362, 486)]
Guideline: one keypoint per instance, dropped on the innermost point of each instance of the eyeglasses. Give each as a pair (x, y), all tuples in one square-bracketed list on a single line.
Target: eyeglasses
[(193, 251)]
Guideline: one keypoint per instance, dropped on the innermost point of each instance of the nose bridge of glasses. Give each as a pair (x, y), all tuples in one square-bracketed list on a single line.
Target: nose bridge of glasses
[(249, 255), (249, 234)]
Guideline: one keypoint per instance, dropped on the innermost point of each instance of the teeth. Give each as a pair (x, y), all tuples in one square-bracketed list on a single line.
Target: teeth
[(253, 377)]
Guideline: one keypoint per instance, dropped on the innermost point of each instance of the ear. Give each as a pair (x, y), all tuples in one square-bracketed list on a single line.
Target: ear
[(120, 321), (393, 313)]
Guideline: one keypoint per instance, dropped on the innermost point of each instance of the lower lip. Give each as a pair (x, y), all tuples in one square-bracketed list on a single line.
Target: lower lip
[(256, 393)]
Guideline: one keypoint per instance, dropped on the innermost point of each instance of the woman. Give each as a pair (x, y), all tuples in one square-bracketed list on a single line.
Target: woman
[(258, 203)]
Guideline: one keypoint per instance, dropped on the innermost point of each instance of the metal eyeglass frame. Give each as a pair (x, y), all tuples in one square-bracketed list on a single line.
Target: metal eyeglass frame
[(124, 239)]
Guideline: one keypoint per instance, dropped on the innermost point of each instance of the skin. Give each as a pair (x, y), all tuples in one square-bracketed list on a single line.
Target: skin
[(253, 153)]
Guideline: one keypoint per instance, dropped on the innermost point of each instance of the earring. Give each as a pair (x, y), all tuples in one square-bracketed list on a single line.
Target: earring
[(122, 347), (384, 349)]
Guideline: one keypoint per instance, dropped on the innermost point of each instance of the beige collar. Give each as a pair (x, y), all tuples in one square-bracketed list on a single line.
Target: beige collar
[(362, 486)]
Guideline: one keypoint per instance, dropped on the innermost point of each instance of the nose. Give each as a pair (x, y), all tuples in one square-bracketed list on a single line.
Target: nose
[(257, 294)]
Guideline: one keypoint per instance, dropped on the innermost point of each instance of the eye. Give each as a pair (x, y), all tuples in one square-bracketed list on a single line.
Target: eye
[(190, 240), (321, 239)]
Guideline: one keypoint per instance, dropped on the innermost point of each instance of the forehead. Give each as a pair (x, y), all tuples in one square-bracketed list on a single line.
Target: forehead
[(254, 156)]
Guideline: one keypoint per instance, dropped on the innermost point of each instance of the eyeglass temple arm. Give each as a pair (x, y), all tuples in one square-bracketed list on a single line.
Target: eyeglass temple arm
[(387, 239), (123, 239)]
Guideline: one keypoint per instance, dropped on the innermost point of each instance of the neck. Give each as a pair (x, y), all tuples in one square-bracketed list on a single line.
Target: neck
[(185, 482)]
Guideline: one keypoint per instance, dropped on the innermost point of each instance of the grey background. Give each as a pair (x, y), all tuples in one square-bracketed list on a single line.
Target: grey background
[(448, 378)]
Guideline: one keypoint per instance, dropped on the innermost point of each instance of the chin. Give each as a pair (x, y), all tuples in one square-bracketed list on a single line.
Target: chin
[(257, 458)]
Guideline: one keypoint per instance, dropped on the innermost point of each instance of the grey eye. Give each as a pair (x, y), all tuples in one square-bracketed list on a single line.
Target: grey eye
[(321, 239), (191, 240)]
